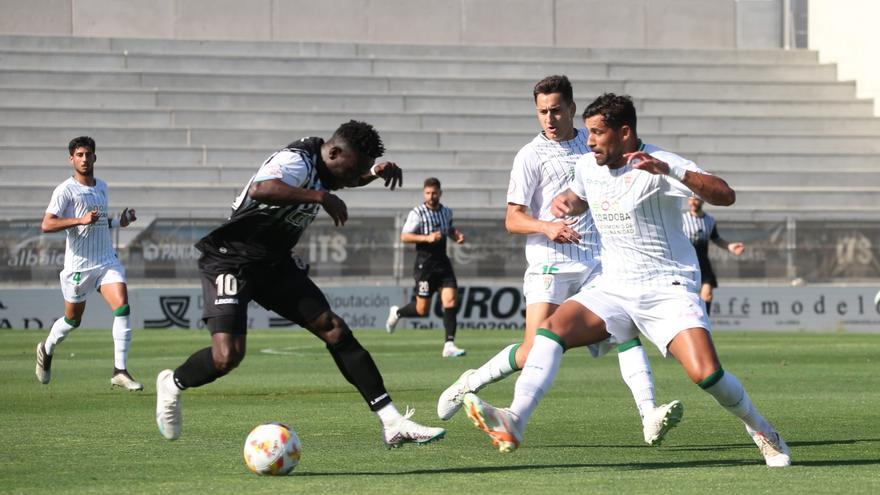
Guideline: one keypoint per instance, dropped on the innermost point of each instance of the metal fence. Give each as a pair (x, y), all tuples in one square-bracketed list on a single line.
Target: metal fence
[(368, 248)]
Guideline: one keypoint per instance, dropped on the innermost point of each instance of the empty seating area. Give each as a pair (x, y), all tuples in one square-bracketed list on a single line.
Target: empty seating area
[(180, 125)]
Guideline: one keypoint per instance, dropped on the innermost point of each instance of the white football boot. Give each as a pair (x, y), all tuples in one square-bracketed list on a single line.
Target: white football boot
[(403, 430), (391, 322), (776, 453), (450, 400), (657, 423), (169, 416), (501, 425), (124, 380), (44, 364), (450, 350)]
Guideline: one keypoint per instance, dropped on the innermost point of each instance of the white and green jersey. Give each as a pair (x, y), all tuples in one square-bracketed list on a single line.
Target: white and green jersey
[(638, 215), (541, 171), (88, 246)]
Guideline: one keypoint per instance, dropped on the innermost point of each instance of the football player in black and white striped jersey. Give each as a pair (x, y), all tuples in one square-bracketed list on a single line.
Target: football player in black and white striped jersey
[(700, 229), (79, 208), (428, 226), (249, 258)]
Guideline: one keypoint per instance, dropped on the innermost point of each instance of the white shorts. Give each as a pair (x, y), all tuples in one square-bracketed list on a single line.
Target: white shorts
[(77, 285), (555, 288), (659, 313)]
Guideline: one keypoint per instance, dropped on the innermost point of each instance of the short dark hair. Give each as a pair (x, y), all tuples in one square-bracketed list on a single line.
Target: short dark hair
[(361, 137), (432, 182), (555, 84), (617, 110), (81, 142)]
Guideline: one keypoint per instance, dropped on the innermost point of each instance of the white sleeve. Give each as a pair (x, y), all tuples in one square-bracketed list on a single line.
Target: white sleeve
[(523, 179), (59, 202), (286, 165), (674, 187), (577, 184), (412, 224)]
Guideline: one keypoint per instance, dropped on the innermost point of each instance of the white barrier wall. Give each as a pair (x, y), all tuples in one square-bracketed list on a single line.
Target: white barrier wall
[(849, 309), (587, 23), (844, 33)]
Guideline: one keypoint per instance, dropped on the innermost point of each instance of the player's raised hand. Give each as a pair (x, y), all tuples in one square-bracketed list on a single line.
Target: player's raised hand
[(736, 248), (127, 216), (90, 217), (392, 174), (561, 232), (643, 161), (336, 208)]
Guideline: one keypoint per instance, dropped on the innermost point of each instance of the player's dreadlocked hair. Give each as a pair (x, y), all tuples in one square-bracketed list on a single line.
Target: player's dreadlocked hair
[(617, 110), (361, 138)]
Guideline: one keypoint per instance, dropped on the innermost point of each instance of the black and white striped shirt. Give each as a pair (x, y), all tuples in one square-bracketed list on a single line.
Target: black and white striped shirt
[(700, 230), (258, 232), (423, 221)]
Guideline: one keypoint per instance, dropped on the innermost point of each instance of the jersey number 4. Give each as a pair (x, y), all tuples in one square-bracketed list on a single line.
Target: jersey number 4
[(227, 285)]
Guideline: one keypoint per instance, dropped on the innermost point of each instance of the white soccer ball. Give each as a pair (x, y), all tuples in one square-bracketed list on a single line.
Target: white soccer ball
[(272, 449)]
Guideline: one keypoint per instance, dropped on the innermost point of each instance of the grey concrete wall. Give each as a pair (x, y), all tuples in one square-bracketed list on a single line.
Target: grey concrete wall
[(584, 23)]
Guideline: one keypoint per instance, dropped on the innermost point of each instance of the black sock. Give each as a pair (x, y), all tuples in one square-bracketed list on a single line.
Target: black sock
[(408, 311), (708, 305), (450, 323), (356, 365), (197, 370)]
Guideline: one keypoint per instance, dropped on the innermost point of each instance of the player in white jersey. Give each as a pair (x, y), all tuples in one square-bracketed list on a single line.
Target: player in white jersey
[(79, 207), (562, 255), (700, 229), (649, 281)]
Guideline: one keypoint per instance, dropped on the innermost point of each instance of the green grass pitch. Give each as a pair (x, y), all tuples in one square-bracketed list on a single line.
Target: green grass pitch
[(76, 435)]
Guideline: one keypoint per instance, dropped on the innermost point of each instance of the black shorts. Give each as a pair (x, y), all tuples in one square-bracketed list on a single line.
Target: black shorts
[(430, 277), (280, 286), (708, 275)]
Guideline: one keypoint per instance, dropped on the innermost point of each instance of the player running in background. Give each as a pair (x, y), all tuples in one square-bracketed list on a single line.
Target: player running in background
[(562, 255), (700, 228), (79, 207), (428, 226), (249, 258), (650, 276)]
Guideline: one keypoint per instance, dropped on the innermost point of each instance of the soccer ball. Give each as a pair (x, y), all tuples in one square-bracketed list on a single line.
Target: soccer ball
[(272, 449)]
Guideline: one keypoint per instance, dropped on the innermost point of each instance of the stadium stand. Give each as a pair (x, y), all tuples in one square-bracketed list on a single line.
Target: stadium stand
[(181, 125)]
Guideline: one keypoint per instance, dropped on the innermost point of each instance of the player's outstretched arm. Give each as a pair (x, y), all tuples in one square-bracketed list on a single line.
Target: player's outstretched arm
[(54, 223), (714, 190), (735, 248), (389, 171), (275, 192), (411, 238), (518, 221)]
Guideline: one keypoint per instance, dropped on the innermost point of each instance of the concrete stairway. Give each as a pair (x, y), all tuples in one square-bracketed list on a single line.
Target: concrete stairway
[(181, 125)]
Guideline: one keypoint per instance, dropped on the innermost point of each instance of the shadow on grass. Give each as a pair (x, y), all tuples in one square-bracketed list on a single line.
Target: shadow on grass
[(634, 466), (713, 447), (533, 467)]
